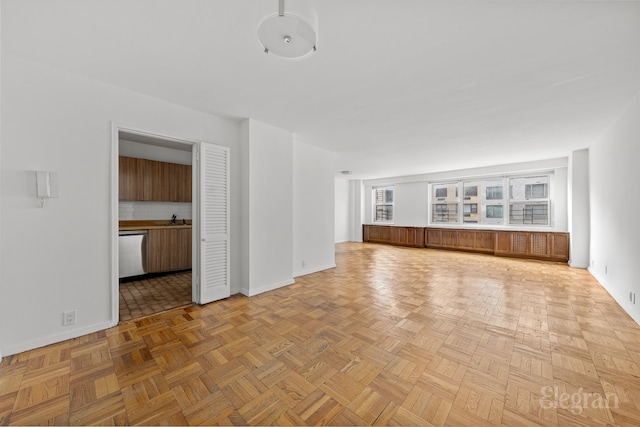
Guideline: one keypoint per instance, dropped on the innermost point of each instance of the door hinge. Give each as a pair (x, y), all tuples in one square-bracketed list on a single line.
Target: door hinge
[(197, 156)]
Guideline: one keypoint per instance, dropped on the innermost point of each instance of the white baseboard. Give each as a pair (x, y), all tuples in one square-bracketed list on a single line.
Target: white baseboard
[(313, 270), (266, 288), (621, 302), (578, 265), (52, 339)]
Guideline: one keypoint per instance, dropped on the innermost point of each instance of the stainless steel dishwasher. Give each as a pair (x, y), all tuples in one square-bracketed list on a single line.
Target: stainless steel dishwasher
[(133, 253)]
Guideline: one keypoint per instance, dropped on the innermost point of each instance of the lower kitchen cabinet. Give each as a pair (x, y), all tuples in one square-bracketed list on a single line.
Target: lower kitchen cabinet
[(169, 249)]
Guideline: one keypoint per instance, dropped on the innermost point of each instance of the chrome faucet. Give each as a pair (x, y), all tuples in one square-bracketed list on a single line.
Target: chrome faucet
[(173, 219)]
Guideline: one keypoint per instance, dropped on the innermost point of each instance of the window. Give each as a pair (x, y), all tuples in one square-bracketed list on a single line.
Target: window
[(445, 203), (499, 201), (383, 204), (494, 193), (495, 211), (470, 208), (529, 201), (520, 213), (470, 191), (535, 191), (445, 212)]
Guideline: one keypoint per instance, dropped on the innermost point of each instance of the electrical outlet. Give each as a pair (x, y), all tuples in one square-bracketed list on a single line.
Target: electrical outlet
[(69, 317), (606, 269), (631, 296), (303, 263), (593, 263)]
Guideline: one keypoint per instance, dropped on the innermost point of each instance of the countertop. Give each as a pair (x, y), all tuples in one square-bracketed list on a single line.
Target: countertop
[(151, 224)]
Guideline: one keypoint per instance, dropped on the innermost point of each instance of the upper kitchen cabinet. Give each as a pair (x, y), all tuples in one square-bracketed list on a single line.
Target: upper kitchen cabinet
[(159, 181), (183, 182), (141, 179), (131, 178)]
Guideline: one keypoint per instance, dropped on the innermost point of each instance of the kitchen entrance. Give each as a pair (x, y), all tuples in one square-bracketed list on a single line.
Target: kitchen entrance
[(155, 213), (149, 295)]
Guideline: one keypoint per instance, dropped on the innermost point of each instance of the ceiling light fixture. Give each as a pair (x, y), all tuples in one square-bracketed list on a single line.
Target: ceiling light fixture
[(292, 33)]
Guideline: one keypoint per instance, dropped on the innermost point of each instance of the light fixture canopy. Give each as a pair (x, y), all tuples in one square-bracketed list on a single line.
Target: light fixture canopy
[(292, 32)]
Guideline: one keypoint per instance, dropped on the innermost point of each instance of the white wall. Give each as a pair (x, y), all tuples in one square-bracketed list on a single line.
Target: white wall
[(2, 339), (152, 152), (313, 209), (128, 210), (357, 200), (268, 200), (59, 258), (614, 203), (410, 204), (341, 210), (411, 192), (578, 209), (242, 219)]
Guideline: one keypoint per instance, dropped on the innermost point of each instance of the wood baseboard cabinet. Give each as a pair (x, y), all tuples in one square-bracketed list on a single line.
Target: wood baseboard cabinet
[(169, 249), (466, 240), (552, 246), (401, 236), (532, 244)]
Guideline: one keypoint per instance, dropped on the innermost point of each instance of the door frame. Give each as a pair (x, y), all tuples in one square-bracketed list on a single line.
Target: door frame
[(195, 209)]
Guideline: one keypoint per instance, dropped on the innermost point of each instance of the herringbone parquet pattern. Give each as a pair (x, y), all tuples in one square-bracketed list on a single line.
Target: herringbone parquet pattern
[(392, 336)]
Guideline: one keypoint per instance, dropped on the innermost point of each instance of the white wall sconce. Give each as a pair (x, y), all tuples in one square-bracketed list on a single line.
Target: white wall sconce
[(46, 186)]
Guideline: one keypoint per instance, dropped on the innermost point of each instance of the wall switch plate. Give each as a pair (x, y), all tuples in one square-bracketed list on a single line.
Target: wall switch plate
[(69, 317)]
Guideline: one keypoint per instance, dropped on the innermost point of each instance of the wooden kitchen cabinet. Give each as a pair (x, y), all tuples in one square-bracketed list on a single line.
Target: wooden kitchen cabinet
[(131, 178), (160, 181), (141, 179), (169, 249), (183, 183)]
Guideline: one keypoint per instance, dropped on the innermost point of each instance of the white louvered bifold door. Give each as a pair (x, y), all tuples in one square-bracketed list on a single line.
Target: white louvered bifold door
[(214, 223)]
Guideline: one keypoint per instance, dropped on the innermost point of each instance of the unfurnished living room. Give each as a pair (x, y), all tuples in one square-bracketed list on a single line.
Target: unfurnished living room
[(299, 212)]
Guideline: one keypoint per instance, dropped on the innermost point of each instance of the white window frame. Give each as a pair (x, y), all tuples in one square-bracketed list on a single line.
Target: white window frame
[(530, 200), (447, 200), (504, 202), (375, 204)]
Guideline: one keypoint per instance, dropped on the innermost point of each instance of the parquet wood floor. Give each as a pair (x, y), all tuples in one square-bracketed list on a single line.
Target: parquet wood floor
[(392, 336)]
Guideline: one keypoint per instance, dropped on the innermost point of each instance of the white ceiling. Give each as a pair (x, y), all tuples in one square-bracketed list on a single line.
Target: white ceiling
[(396, 87)]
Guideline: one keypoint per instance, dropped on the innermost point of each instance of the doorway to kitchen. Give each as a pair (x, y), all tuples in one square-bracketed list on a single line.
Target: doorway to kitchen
[(155, 224)]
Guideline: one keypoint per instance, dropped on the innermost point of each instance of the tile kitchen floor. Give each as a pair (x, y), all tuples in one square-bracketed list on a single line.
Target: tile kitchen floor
[(139, 298)]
